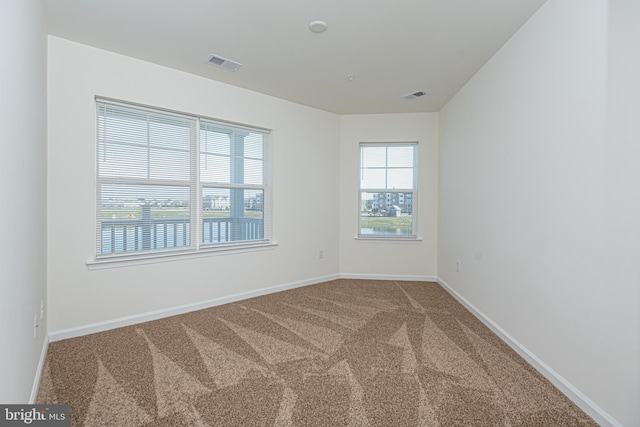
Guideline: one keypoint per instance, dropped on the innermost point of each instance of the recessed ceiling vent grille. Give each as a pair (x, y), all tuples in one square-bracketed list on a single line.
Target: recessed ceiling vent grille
[(414, 95), (225, 63)]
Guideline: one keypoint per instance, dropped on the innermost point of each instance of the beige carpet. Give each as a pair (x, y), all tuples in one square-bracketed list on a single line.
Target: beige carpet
[(341, 353)]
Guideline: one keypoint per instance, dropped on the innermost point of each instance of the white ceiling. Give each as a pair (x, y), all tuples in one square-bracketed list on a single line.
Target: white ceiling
[(392, 47)]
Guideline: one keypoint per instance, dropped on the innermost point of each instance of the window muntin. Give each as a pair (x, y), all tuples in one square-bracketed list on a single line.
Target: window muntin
[(154, 166), (388, 178)]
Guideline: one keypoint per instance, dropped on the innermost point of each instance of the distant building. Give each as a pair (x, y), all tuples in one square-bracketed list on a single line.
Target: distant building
[(389, 201), (255, 203), (216, 203)]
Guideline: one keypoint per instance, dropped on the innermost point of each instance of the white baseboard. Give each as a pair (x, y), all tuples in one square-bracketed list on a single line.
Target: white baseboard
[(408, 278), (159, 314), (36, 380), (582, 401)]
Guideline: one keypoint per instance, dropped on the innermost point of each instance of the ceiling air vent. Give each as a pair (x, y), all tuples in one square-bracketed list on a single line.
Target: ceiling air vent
[(225, 63), (414, 94)]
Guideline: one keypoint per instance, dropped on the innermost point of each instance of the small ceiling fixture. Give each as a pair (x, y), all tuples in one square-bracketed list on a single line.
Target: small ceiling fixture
[(414, 95), (225, 63), (318, 26)]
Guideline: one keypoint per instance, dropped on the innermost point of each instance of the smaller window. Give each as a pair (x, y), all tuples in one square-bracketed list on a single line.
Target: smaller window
[(388, 189)]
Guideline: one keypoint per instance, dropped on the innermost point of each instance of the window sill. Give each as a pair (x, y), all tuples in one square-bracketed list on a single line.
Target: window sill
[(388, 239), (131, 260)]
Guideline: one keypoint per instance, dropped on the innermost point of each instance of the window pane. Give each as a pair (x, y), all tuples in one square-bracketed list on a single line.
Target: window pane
[(386, 214), (231, 156), (400, 156), (138, 218), (386, 166), (253, 172), (232, 215), (253, 146), (373, 156), (213, 140), (125, 161), (165, 164), (215, 168), (400, 178), (136, 143), (373, 178), (122, 125), (169, 132)]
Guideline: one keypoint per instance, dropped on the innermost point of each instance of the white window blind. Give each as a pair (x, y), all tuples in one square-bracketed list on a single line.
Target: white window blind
[(388, 189), (174, 182)]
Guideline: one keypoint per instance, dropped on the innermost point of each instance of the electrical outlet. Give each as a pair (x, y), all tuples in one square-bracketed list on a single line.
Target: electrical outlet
[(457, 266), (321, 254)]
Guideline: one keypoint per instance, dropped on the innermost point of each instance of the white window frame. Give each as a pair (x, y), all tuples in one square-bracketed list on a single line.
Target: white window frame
[(197, 247), (414, 191)]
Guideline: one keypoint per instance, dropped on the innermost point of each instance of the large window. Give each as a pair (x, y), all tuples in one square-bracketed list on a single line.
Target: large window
[(388, 181), (169, 182)]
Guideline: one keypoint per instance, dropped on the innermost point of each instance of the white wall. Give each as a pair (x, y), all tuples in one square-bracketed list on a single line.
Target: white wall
[(621, 227), (305, 152), (23, 121), (409, 259), (538, 196)]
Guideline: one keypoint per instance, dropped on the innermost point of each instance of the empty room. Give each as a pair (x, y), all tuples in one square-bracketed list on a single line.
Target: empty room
[(412, 213)]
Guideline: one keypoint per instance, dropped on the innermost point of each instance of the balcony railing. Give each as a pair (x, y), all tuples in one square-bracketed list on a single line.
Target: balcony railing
[(125, 235), (218, 230)]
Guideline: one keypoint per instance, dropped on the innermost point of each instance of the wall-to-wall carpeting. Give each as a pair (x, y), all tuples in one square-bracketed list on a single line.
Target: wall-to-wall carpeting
[(345, 352)]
